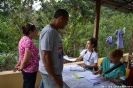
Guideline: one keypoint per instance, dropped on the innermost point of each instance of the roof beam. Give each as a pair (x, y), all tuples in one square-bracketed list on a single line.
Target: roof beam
[(128, 2), (128, 8)]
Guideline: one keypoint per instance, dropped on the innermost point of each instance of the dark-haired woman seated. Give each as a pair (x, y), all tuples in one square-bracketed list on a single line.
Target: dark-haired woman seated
[(88, 55)]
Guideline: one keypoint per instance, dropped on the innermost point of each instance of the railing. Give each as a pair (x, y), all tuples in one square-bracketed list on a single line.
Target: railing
[(10, 79)]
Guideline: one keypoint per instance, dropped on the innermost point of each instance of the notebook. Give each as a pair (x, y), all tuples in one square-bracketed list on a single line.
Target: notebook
[(81, 74)]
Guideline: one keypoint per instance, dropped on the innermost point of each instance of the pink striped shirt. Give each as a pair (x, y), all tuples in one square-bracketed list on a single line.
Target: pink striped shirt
[(26, 43)]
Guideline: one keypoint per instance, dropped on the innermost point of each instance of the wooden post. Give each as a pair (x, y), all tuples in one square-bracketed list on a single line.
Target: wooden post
[(96, 21), (130, 56)]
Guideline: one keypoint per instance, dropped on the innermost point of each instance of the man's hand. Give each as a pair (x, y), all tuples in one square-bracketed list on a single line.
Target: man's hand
[(58, 82)]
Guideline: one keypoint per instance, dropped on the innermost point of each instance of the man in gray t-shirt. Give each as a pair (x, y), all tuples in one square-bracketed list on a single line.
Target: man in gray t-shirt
[(51, 51)]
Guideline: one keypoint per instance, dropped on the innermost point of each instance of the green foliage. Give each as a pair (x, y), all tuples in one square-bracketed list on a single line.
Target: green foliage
[(108, 24), (15, 14), (7, 62), (9, 36)]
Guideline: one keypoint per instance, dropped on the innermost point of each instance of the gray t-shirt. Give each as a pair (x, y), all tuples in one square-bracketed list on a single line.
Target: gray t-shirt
[(50, 40)]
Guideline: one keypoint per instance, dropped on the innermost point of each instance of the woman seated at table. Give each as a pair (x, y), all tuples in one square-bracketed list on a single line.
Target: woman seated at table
[(88, 55), (118, 74)]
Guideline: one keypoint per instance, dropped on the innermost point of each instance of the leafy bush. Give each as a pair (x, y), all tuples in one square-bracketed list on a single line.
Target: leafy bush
[(7, 62), (79, 29)]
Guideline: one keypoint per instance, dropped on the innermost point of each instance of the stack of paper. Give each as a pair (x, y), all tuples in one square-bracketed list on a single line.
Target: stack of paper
[(67, 58), (94, 79), (77, 68), (67, 68)]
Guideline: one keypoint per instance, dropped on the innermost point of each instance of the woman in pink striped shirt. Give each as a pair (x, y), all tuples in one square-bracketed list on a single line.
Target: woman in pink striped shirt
[(28, 56)]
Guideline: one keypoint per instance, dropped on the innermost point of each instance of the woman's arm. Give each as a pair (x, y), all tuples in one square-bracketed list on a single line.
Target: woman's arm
[(113, 80), (99, 71), (90, 66), (18, 63), (26, 59), (79, 58), (16, 66)]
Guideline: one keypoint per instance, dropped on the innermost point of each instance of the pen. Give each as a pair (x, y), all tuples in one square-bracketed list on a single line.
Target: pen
[(96, 83)]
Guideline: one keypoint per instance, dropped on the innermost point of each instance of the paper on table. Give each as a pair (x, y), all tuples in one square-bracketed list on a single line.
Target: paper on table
[(81, 74), (67, 68), (94, 79), (77, 68), (65, 85), (67, 58), (107, 83)]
